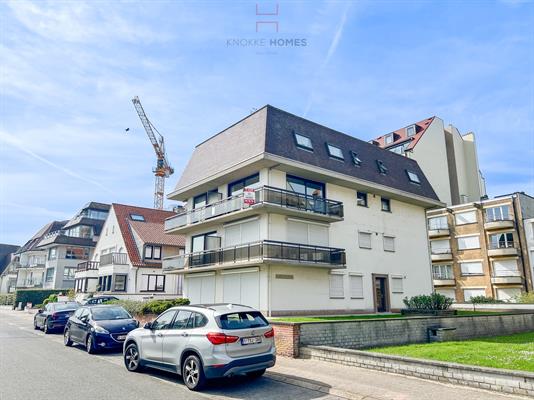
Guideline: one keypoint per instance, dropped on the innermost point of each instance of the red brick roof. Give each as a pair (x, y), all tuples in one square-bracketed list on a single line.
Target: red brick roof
[(152, 218), (400, 135), (153, 233)]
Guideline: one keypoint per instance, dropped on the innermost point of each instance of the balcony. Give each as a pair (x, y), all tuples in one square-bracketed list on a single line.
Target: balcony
[(87, 269), (441, 254), (434, 233), (114, 259), (501, 249), (504, 222), (263, 252), (267, 199), (30, 283), (507, 280)]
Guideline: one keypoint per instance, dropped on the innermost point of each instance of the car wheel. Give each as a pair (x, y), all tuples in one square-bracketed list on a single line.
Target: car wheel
[(90, 345), (256, 374), (193, 373), (132, 359), (35, 324), (46, 329), (66, 338)]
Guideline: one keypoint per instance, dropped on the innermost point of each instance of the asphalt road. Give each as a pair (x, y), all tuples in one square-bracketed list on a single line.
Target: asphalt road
[(38, 366)]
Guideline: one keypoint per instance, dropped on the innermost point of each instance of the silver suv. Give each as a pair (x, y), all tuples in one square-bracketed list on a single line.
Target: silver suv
[(202, 342)]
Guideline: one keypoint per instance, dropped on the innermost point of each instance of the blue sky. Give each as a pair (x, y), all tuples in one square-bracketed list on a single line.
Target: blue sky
[(69, 71)]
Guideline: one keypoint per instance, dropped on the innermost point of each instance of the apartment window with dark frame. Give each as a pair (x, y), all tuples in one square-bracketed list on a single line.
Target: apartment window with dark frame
[(152, 252), (237, 187), (361, 199), (68, 273), (77, 253), (119, 283), (137, 217), (355, 159), (52, 253), (206, 198), (385, 204), (381, 167), (152, 283), (305, 186), (49, 276), (335, 152), (302, 141)]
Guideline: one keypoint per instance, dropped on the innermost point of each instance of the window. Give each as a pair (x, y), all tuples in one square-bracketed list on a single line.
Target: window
[(52, 253), (364, 240), (49, 277), (508, 294), (120, 283), (472, 268), (164, 320), (500, 213), (505, 268), (137, 217), (361, 199), (81, 231), (450, 293), (206, 198), (438, 223), (95, 214), (355, 159), (413, 177), (305, 186), (152, 252), (334, 152), (356, 286), (206, 241), (442, 272), (68, 273), (397, 284), (410, 130), (77, 253), (304, 142), (468, 293), (242, 320), (388, 139), (246, 231), (180, 322), (336, 286), (468, 242), (197, 320), (152, 283), (385, 204), (502, 240), (237, 187), (381, 167), (440, 246), (468, 217), (299, 231), (400, 149), (389, 243)]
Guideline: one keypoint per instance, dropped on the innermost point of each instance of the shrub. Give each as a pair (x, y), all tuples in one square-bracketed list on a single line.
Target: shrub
[(434, 301), (7, 299), (132, 306), (525, 298), (484, 300), (34, 296), (150, 307), (71, 294), (50, 299)]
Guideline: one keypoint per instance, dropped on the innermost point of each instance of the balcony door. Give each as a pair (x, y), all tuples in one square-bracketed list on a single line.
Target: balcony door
[(201, 246)]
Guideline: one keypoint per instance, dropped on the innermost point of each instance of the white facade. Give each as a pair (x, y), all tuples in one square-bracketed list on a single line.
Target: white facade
[(529, 237)]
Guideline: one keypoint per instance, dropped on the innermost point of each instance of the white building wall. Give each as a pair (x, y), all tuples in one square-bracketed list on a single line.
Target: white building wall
[(529, 236)]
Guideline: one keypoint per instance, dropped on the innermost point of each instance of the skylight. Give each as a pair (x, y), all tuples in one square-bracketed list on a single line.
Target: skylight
[(137, 217), (303, 142), (334, 151), (413, 177), (355, 159), (410, 130), (381, 167)]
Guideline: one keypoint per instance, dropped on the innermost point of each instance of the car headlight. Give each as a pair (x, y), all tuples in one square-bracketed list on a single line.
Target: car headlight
[(99, 329)]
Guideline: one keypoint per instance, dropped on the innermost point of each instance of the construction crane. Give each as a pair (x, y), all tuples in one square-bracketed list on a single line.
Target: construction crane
[(163, 169)]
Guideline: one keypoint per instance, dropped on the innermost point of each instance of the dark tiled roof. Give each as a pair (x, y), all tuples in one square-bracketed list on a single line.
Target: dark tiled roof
[(400, 135), (124, 220), (5, 255), (34, 241)]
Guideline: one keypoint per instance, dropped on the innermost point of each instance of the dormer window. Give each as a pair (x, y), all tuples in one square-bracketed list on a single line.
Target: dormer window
[(388, 139), (304, 142), (355, 159), (334, 152), (410, 130), (152, 252), (137, 217), (413, 177), (381, 167)]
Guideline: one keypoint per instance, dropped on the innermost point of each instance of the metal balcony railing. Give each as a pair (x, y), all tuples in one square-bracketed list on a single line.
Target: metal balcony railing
[(261, 251), (440, 251), (443, 275), (437, 226), (263, 195), (502, 245), (497, 218), (88, 265), (506, 273), (114, 258)]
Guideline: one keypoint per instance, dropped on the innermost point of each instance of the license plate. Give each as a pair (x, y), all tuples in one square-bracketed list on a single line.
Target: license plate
[(121, 337), (250, 340)]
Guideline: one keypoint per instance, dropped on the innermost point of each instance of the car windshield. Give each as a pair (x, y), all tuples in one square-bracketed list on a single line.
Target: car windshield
[(242, 320), (107, 313), (65, 306)]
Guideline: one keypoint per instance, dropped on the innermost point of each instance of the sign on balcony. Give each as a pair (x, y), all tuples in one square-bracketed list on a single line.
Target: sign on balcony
[(249, 196)]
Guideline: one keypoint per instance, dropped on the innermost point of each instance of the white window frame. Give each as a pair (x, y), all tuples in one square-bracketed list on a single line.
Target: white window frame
[(336, 292), (397, 284), (409, 129), (360, 244), (458, 241), (458, 215), (436, 223), (464, 269), (356, 291), (471, 290), (388, 139), (387, 248), (442, 272)]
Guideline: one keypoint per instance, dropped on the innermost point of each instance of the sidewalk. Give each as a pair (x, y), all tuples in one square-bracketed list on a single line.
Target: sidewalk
[(359, 383)]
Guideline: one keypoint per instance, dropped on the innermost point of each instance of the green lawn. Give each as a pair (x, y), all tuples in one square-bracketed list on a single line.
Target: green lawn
[(361, 316), (510, 352)]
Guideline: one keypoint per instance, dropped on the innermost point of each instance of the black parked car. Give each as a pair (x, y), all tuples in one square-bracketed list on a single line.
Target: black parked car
[(54, 316), (99, 327), (98, 300)]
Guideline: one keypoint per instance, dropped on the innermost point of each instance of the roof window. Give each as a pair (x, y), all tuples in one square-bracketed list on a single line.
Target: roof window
[(355, 159), (304, 142), (137, 217), (410, 130), (413, 177), (381, 167), (334, 152)]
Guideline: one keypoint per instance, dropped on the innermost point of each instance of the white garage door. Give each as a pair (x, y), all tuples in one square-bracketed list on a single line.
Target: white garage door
[(242, 287), (200, 289)]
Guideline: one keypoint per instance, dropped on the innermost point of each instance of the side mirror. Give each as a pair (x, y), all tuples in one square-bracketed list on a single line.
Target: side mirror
[(148, 325), (40, 311)]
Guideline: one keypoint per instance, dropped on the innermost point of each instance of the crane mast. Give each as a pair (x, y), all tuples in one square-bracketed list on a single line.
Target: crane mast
[(163, 169)]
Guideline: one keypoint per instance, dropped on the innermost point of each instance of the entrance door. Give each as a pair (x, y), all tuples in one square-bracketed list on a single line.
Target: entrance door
[(381, 294)]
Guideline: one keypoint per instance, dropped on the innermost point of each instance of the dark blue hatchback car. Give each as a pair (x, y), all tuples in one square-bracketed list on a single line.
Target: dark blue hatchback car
[(99, 327)]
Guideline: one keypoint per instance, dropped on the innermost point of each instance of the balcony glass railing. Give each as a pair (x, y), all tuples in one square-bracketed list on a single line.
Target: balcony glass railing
[(262, 251), (440, 251), (87, 266), (263, 195), (502, 245), (443, 275), (506, 273), (114, 258)]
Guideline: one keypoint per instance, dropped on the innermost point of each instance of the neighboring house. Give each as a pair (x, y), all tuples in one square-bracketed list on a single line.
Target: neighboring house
[(529, 237), (66, 247), (288, 216), (8, 271), (448, 158), (30, 260), (481, 249), (128, 256)]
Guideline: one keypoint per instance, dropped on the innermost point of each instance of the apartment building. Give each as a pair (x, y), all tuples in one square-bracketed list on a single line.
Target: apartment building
[(8, 270), (290, 217), (73, 242), (127, 260), (30, 260), (448, 158), (481, 249), (529, 236)]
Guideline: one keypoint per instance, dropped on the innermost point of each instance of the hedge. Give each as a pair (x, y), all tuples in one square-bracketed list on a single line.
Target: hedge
[(6, 299), (149, 307), (34, 296)]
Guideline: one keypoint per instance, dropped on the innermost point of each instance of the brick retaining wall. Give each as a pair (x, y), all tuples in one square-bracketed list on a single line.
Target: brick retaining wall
[(517, 382)]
